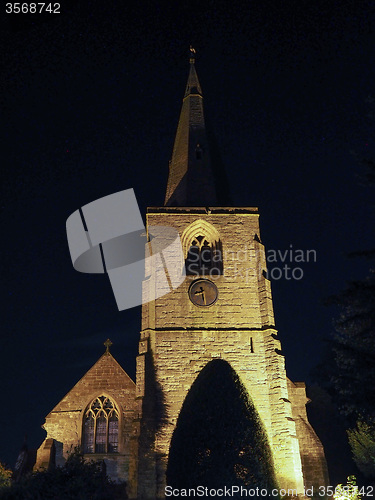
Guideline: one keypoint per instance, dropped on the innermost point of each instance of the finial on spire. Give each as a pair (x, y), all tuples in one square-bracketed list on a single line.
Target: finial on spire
[(107, 344), (192, 54)]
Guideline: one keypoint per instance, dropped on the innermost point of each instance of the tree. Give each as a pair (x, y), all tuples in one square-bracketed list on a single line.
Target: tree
[(219, 439), (5, 476), (353, 376), (349, 491), (353, 372), (362, 443), (78, 479)]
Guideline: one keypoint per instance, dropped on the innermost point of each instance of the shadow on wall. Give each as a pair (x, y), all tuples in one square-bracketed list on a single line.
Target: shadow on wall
[(154, 411)]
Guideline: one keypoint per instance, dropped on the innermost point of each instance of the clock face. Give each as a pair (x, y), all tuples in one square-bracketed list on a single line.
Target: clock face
[(203, 292)]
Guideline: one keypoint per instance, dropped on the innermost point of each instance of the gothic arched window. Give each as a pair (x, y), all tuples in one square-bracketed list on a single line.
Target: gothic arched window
[(101, 427), (203, 257)]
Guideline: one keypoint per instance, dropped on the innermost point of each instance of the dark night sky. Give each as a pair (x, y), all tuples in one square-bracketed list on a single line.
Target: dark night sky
[(90, 101)]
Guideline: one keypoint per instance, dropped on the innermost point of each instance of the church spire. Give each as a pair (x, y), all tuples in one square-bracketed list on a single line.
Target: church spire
[(191, 180)]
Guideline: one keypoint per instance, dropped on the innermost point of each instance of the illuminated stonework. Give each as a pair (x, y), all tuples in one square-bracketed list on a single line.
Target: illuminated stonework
[(97, 416), (178, 339), (179, 336), (130, 425)]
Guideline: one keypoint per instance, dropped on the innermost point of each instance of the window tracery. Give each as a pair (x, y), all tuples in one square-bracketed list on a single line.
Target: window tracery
[(202, 249), (101, 427), (204, 257)]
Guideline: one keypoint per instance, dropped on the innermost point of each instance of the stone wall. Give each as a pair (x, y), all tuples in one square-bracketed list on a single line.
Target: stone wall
[(314, 464), (178, 339), (64, 423)]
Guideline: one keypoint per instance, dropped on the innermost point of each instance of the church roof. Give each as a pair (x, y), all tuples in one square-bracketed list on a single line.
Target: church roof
[(192, 180), (106, 376)]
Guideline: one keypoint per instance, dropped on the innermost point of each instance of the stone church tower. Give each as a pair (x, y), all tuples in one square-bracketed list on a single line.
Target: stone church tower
[(223, 309)]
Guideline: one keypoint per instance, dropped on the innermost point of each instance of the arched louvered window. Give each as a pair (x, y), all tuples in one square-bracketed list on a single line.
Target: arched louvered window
[(101, 427), (204, 257)]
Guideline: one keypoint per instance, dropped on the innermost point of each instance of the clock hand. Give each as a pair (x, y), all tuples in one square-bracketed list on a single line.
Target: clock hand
[(201, 292)]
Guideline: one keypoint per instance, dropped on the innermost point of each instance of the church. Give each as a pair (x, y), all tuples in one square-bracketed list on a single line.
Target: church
[(222, 310)]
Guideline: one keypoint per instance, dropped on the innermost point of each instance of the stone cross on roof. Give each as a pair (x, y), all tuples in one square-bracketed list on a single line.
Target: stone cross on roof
[(107, 344)]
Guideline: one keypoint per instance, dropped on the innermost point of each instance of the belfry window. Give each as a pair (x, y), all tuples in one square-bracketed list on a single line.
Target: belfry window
[(203, 258), (101, 427)]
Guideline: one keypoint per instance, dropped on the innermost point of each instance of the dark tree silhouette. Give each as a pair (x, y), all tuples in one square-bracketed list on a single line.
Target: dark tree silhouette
[(352, 375), (78, 479), (354, 350), (219, 439)]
